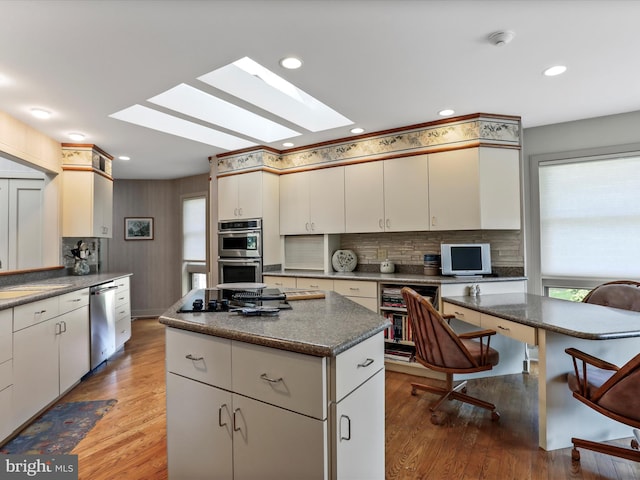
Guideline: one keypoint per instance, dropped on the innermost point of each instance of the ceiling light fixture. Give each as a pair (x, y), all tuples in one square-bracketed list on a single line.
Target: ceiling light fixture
[(124, 157), (447, 112), (76, 137), (41, 113), (500, 39), (555, 70), (288, 144), (357, 130), (291, 63)]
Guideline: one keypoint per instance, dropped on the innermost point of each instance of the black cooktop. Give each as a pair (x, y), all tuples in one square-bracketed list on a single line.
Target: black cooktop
[(224, 300)]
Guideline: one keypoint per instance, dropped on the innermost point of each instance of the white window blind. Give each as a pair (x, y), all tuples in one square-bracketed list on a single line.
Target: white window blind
[(590, 218), (194, 229)]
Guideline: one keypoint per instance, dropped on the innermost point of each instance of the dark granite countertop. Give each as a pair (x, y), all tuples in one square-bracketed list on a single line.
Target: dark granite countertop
[(580, 320), (322, 327), (67, 283), (389, 277)]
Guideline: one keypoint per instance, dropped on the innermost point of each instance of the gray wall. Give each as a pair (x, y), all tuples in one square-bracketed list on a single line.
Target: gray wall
[(607, 132), (156, 264)]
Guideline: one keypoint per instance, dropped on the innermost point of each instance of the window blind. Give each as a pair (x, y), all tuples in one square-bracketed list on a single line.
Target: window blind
[(590, 218), (194, 229)]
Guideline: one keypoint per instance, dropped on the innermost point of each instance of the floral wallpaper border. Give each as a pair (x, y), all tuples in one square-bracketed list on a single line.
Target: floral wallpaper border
[(492, 131)]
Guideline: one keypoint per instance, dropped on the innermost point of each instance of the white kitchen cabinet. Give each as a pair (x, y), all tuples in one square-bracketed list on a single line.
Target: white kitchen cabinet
[(240, 196), (50, 350), (362, 292), (475, 189), (87, 204), (123, 311), (6, 374), (387, 196), (4, 224), (312, 202)]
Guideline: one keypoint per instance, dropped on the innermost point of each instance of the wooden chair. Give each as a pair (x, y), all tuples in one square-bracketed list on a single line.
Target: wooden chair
[(440, 349), (610, 390)]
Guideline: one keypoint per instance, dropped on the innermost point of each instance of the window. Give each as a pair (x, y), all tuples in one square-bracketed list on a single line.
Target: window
[(590, 218), (194, 242)]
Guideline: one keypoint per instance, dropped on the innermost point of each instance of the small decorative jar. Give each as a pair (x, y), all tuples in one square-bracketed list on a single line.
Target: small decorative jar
[(387, 266)]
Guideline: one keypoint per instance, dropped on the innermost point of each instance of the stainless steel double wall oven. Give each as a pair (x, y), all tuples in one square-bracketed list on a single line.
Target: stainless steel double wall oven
[(240, 250)]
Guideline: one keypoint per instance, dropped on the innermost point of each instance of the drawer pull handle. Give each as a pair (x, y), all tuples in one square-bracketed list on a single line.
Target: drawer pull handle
[(76, 300), (40, 312), (348, 437), (504, 328), (314, 286), (459, 314), (195, 359), (355, 289), (366, 363), (224, 405), (264, 376)]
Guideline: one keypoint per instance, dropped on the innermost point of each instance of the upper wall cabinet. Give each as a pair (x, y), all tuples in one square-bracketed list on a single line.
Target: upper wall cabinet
[(387, 196), (312, 202), (240, 196), (87, 192), (475, 189)]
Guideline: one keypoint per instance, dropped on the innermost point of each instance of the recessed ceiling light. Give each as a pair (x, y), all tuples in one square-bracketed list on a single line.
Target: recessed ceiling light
[(357, 130), (446, 112), (288, 144), (198, 104), (150, 118), (76, 136), (291, 63), (259, 86), (124, 157), (555, 70), (41, 113)]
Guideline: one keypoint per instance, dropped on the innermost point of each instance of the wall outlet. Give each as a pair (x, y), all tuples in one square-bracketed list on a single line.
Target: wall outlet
[(382, 254)]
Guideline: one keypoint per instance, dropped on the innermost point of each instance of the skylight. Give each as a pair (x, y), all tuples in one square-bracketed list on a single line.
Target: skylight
[(198, 104), (255, 84), (150, 118)]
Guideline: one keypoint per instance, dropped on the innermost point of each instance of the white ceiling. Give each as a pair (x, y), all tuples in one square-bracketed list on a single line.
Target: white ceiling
[(381, 63)]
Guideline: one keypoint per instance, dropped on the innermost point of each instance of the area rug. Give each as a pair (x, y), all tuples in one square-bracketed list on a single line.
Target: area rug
[(59, 429)]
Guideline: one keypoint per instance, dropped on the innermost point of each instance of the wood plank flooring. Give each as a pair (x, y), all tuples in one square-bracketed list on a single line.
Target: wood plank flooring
[(129, 442)]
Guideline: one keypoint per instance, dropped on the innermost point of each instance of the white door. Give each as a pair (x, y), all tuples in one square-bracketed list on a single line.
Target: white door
[(74, 354), (228, 197), (250, 195), (406, 194), (273, 443), (294, 203), (199, 419), (359, 436), (25, 223), (326, 200), (364, 198), (102, 206)]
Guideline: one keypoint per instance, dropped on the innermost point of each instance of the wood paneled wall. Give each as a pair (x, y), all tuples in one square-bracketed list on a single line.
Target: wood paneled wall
[(155, 264)]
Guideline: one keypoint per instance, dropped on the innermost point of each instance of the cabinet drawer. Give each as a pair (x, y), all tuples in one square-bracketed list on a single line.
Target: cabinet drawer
[(6, 419), (314, 283), (356, 365), (523, 333), (200, 357), (35, 312), (280, 282), (122, 297), (462, 313), (289, 380), (122, 283), (6, 334), (6, 374), (356, 288), (370, 303), (72, 300), (123, 311), (123, 331)]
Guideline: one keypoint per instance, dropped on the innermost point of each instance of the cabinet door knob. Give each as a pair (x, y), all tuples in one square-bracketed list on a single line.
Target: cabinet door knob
[(191, 357), (224, 405), (366, 363), (235, 424), (380, 224), (388, 223), (348, 436), (265, 377)]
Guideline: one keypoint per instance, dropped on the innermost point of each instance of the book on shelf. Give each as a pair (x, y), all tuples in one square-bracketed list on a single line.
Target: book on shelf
[(400, 329), (399, 352)]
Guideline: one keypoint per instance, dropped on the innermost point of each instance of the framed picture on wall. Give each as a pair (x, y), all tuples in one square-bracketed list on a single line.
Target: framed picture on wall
[(138, 228)]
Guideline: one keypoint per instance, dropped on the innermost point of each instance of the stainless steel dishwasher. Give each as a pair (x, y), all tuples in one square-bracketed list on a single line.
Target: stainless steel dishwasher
[(102, 311)]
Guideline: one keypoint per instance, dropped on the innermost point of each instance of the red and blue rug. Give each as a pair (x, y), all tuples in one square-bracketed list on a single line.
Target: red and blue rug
[(59, 429)]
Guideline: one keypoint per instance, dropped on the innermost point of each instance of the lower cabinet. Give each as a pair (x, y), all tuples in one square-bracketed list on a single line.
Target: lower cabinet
[(275, 424), (49, 357), (123, 312)]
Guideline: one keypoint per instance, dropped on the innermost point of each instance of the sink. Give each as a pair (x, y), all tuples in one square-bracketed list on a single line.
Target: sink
[(9, 294)]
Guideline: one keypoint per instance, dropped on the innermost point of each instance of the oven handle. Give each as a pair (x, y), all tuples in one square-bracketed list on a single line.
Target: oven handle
[(239, 260)]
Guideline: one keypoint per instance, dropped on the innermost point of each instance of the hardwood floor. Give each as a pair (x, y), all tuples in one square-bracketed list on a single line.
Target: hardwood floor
[(129, 442)]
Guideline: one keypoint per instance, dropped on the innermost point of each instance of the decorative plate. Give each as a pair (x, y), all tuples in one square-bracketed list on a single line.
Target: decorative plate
[(344, 260)]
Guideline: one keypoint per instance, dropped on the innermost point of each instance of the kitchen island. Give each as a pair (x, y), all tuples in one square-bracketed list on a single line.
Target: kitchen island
[(297, 395)]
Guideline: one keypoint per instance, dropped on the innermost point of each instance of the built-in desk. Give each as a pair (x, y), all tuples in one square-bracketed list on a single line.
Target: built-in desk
[(554, 325)]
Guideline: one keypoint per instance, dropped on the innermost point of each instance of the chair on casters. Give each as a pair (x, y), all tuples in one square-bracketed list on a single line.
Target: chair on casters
[(440, 349), (610, 390)]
